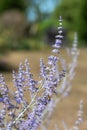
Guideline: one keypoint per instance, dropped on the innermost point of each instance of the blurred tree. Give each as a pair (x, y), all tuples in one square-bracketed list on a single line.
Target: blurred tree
[(13, 23), (13, 4), (75, 17), (38, 10), (82, 23), (69, 11)]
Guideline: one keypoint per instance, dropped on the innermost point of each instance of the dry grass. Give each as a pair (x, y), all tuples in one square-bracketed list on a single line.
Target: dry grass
[(67, 109)]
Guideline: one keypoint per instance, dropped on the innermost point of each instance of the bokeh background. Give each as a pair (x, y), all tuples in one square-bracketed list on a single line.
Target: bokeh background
[(28, 28), (29, 24)]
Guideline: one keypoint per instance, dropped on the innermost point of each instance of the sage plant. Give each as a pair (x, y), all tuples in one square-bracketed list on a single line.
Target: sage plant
[(64, 89), (20, 113)]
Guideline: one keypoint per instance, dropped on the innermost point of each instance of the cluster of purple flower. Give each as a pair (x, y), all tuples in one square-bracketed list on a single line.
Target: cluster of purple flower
[(19, 113)]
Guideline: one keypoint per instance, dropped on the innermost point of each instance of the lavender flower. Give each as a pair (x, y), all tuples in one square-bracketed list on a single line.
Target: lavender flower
[(43, 69), (52, 86), (4, 91), (59, 38)]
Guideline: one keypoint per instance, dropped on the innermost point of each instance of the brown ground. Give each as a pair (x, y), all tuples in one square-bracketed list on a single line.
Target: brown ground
[(67, 109)]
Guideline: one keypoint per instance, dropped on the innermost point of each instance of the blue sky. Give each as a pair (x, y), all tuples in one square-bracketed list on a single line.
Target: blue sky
[(44, 6)]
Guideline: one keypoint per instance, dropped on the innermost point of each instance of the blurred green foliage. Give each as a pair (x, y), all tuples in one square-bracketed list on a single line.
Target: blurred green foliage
[(13, 4), (23, 34), (69, 11), (82, 22), (16, 32), (74, 13), (14, 27)]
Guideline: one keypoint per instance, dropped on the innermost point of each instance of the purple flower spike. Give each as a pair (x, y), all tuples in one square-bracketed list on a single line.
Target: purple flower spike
[(52, 60), (1, 99), (59, 38)]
